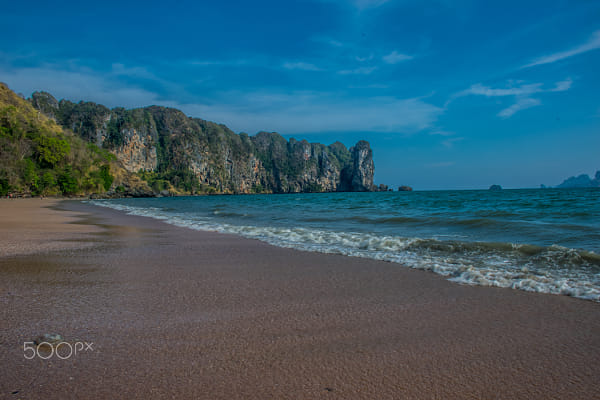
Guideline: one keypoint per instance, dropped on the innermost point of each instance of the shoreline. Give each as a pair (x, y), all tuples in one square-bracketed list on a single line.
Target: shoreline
[(175, 312)]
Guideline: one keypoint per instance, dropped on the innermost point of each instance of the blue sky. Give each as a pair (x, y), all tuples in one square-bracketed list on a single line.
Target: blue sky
[(451, 94)]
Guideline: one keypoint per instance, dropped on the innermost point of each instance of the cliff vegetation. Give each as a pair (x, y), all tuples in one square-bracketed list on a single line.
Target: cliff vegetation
[(39, 157)]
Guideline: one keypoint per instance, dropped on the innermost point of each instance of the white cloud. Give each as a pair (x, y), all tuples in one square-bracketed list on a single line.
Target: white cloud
[(315, 112), (524, 90), (522, 94), (449, 143), (394, 57), (329, 41), (593, 43), (301, 66), (372, 86), (441, 132), (521, 104), (136, 72), (563, 85), (285, 112), (363, 59), (225, 63), (79, 84), (358, 71)]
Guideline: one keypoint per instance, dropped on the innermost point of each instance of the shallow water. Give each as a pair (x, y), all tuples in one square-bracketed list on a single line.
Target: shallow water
[(537, 240)]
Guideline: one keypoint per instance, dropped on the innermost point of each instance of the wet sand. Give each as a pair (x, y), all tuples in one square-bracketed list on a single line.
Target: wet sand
[(175, 313)]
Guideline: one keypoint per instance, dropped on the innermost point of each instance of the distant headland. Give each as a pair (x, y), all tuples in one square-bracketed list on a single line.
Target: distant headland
[(581, 181)]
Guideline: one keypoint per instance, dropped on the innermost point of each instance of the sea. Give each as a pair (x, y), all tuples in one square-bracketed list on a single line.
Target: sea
[(539, 240)]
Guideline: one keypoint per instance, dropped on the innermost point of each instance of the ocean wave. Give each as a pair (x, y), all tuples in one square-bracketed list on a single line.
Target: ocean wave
[(552, 269)]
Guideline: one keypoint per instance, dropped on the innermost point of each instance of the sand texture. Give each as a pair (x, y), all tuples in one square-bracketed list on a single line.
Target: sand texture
[(176, 313)]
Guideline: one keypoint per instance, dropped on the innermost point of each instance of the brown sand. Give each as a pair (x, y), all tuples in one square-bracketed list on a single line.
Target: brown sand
[(174, 313), (30, 226)]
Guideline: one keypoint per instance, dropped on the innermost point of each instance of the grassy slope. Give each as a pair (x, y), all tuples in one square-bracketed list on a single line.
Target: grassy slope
[(38, 157)]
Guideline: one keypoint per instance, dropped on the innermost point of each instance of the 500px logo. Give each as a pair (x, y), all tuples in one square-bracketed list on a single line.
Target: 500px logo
[(62, 350)]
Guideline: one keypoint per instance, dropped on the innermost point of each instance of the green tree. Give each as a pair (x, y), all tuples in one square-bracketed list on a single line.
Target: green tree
[(51, 150), (67, 182), (30, 175), (48, 181), (4, 186), (107, 178)]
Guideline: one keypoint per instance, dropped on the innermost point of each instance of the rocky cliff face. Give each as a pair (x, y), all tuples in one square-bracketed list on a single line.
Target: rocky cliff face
[(363, 167), (171, 150)]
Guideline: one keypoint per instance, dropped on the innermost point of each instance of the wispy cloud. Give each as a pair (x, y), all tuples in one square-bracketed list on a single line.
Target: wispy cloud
[(441, 132), (299, 65), (522, 94), (563, 85), (261, 62), (521, 104), (233, 63), (593, 43), (317, 112), (523, 90), (358, 71), (363, 59), (138, 72), (328, 41), (372, 86), (449, 143), (78, 83), (293, 112), (394, 57)]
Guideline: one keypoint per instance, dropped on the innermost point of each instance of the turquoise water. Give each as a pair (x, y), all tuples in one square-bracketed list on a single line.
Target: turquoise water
[(537, 240)]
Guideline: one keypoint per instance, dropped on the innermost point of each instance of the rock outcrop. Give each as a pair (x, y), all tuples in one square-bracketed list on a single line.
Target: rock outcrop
[(581, 181), (191, 155)]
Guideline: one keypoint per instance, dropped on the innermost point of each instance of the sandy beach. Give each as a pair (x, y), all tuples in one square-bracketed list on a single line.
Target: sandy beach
[(175, 313)]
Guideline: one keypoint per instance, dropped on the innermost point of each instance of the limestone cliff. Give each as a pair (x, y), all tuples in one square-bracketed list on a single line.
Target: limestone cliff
[(190, 155)]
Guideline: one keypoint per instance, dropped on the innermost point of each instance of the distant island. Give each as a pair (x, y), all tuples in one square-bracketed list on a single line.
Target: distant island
[(51, 147), (495, 188), (581, 181)]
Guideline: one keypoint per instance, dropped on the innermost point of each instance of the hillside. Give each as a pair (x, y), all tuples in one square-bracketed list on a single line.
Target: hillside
[(39, 157)]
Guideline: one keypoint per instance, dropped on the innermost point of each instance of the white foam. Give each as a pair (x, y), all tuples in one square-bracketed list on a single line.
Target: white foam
[(462, 263)]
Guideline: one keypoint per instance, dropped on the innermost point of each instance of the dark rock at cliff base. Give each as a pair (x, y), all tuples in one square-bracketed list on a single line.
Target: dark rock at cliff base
[(495, 188), (405, 189)]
